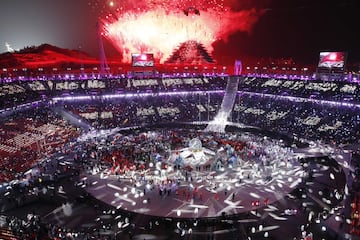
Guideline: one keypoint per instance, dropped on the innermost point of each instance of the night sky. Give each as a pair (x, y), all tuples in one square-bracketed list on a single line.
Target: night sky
[(288, 28)]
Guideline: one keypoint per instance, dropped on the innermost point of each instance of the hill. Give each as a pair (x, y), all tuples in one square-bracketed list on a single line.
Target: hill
[(46, 56)]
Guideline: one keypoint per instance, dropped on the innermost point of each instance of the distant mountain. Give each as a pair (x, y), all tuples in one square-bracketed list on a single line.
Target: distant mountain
[(46, 56)]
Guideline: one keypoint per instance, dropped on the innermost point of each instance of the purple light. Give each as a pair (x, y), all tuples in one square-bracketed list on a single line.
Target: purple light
[(73, 98), (300, 99), (133, 95)]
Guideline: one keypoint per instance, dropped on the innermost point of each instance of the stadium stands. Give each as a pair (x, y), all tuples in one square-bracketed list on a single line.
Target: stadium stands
[(27, 138), (300, 108)]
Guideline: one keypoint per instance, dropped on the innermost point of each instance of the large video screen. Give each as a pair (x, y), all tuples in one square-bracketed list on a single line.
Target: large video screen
[(142, 59), (332, 60)]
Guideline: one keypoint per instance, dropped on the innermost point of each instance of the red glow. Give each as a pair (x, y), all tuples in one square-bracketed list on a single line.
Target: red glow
[(159, 26)]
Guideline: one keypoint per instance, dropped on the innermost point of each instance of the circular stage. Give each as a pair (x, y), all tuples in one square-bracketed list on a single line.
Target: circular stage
[(184, 173), (172, 181)]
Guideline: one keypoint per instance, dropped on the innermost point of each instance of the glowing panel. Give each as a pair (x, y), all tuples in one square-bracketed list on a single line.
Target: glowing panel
[(332, 60), (142, 59)]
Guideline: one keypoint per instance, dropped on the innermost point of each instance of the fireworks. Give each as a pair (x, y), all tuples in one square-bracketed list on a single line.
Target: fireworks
[(160, 26)]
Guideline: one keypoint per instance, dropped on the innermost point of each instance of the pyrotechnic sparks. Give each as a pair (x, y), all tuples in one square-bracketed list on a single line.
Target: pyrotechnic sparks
[(160, 26)]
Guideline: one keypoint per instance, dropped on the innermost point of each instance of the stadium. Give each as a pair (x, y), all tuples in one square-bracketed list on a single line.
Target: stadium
[(171, 143)]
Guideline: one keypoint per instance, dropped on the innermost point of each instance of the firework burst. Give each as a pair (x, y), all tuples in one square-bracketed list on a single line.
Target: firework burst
[(160, 26)]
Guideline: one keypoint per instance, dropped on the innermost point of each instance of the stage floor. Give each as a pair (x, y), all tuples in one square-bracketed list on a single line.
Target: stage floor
[(209, 195)]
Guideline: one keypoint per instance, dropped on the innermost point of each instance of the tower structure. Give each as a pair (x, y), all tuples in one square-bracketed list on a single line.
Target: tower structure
[(237, 67), (104, 67)]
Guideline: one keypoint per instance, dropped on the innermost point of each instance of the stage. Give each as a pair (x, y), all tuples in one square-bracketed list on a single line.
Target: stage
[(174, 189), (205, 202)]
